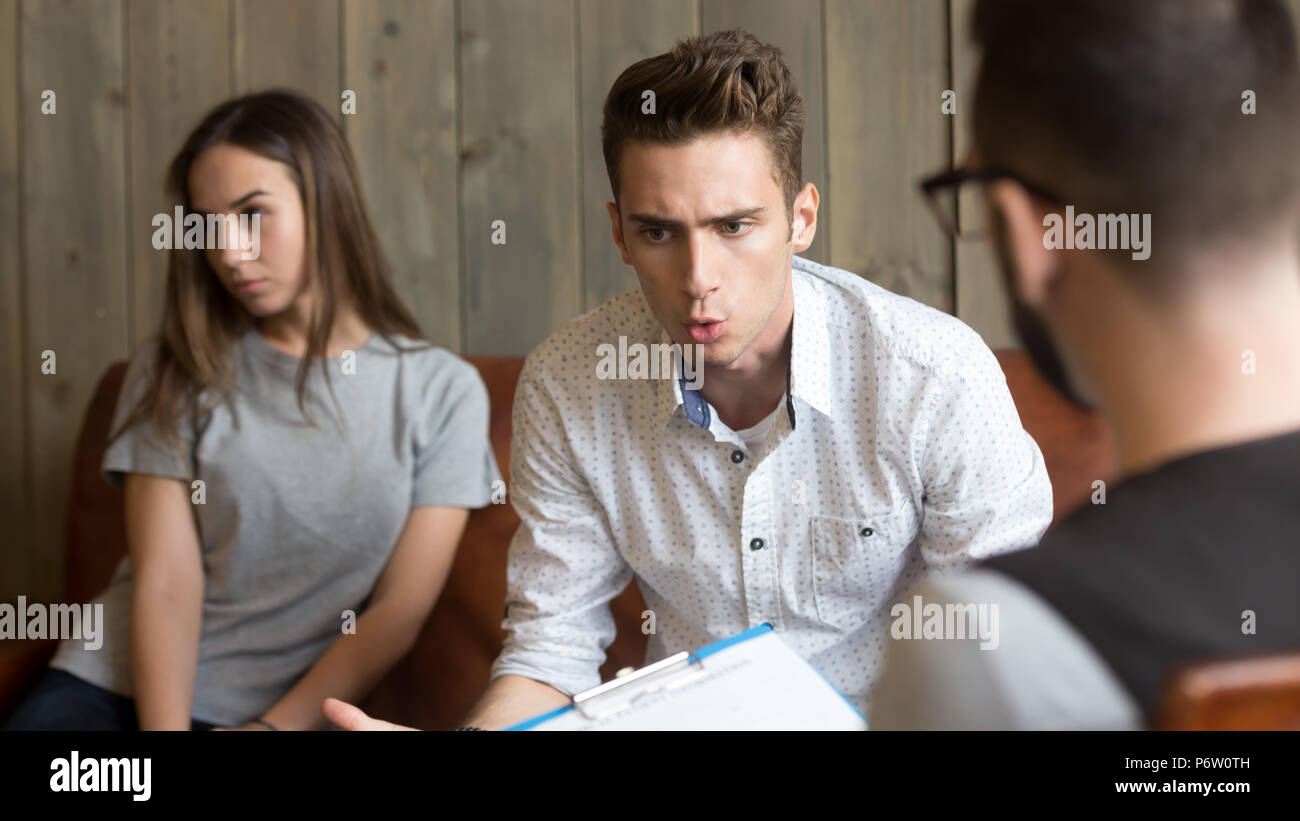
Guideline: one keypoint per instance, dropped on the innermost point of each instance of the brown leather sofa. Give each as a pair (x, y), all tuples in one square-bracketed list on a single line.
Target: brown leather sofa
[(447, 669)]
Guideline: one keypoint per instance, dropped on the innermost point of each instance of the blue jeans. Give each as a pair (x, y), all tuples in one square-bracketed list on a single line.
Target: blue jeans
[(62, 701)]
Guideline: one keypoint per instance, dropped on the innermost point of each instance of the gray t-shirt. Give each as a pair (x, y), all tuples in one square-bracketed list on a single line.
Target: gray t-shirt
[(297, 522)]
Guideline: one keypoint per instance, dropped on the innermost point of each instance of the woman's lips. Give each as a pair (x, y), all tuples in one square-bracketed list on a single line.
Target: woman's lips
[(250, 286), (704, 331)]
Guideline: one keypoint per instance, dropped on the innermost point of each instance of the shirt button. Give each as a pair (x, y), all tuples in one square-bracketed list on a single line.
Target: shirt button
[(755, 544), (866, 531), (737, 456)]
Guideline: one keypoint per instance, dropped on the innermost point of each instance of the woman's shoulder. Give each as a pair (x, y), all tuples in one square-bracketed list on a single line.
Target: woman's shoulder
[(417, 352), (440, 387), (428, 363)]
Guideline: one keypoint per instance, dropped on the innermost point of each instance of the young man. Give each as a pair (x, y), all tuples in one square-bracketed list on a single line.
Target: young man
[(843, 439), (1186, 112)]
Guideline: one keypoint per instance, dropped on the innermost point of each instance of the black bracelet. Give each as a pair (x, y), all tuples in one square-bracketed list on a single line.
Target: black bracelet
[(465, 729)]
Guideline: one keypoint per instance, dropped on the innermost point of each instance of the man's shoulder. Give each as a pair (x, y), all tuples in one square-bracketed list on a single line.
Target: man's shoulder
[(1112, 525), (860, 312), (576, 343), (568, 362)]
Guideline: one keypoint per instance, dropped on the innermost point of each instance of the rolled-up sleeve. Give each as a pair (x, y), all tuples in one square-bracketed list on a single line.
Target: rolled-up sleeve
[(563, 566), (986, 486)]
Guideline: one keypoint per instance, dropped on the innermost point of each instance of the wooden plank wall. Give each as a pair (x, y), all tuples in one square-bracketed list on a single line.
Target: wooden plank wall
[(19, 556), (467, 112)]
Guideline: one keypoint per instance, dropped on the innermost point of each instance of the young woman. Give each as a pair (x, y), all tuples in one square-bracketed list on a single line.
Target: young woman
[(298, 462)]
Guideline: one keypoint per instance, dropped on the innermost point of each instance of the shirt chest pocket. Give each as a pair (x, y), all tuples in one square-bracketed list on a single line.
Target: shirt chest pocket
[(856, 563)]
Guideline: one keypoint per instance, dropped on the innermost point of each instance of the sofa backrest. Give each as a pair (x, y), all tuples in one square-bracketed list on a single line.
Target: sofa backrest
[(448, 668)]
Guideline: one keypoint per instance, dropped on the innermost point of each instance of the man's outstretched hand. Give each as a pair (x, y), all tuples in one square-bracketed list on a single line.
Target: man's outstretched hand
[(347, 717)]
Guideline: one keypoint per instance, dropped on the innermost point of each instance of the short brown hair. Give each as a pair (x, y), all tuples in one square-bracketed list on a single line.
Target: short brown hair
[(725, 81)]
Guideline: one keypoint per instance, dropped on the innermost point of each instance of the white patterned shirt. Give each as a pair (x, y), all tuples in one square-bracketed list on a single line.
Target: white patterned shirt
[(900, 451)]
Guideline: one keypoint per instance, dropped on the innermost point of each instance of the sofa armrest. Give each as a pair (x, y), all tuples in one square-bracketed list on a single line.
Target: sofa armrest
[(21, 662)]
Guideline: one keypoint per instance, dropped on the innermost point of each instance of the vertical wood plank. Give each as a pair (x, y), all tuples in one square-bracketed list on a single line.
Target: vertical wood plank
[(614, 35), (288, 43), (981, 296), (519, 94), (887, 66), (73, 201), (795, 28), (179, 68), (400, 59), (15, 506)]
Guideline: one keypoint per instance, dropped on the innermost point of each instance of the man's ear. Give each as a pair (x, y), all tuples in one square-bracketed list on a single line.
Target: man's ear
[(1032, 264), (804, 217), (618, 231)]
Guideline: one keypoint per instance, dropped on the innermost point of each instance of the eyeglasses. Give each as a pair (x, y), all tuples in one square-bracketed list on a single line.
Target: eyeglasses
[(965, 219)]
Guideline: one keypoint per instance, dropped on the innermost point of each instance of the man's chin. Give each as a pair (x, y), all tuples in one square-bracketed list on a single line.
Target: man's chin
[(720, 353)]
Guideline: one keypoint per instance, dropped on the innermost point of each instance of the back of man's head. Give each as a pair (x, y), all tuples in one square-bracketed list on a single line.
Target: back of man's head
[(1144, 107)]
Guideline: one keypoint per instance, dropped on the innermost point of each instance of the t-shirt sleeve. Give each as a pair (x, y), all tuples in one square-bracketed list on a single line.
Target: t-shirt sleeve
[(144, 447), (454, 463)]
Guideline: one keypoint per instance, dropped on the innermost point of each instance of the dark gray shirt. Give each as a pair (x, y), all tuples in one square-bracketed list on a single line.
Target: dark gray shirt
[(1189, 561), (296, 522)]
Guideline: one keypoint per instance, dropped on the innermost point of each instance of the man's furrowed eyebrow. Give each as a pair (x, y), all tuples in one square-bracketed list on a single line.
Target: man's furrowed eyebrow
[(664, 222), (653, 221), (734, 216)]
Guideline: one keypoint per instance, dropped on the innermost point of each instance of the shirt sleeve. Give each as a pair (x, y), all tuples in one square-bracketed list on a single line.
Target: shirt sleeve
[(1030, 670), (564, 566), (454, 464), (986, 486), (145, 448)]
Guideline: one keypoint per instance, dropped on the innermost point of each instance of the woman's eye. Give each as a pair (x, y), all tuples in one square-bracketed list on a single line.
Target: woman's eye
[(253, 210)]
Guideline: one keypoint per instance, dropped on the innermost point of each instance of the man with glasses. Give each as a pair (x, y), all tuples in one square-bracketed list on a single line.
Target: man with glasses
[(1184, 113)]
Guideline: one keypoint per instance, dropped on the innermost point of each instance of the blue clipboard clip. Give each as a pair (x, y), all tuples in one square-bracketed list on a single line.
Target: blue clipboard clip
[(631, 686)]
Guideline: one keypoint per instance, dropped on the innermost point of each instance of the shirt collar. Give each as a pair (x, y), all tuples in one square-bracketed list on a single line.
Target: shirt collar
[(675, 391), (807, 378), (810, 347)]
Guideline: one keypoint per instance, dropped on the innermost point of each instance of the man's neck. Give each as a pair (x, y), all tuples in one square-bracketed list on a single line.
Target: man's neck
[(1224, 369), (744, 392)]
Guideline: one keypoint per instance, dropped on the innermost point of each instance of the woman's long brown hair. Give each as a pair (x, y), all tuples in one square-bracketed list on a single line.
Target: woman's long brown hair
[(193, 370)]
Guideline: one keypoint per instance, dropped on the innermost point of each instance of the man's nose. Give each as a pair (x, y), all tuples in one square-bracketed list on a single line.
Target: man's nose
[(699, 278)]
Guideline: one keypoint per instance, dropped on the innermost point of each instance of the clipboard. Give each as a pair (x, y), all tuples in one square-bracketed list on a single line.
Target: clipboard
[(750, 681)]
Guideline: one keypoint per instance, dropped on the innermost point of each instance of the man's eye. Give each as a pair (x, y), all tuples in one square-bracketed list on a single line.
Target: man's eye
[(655, 234), (734, 227)]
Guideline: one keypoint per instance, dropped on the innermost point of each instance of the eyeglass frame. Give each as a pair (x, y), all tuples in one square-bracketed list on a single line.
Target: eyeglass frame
[(956, 178)]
